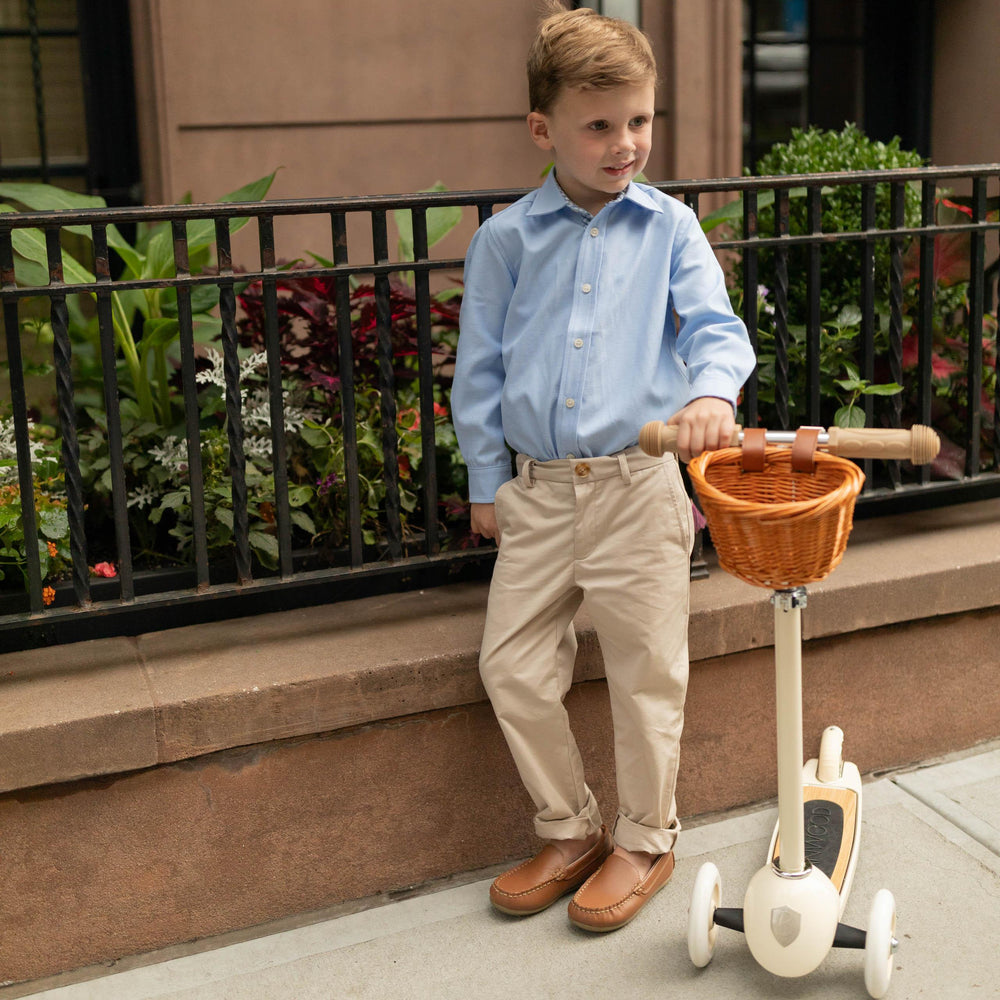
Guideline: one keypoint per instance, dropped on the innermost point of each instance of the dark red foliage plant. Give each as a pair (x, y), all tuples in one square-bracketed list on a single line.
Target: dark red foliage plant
[(308, 329)]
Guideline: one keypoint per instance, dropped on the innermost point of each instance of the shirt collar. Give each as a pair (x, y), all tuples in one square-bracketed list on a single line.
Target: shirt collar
[(551, 198)]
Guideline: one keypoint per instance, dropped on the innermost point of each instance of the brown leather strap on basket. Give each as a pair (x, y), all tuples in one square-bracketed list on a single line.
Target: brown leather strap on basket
[(754, 443), (804, 449)]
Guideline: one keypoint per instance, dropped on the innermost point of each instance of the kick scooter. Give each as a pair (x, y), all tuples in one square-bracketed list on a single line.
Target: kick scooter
[(780, 508)]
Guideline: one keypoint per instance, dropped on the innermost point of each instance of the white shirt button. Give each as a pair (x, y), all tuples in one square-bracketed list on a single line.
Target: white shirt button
[(570, 454), (594, 231), (570, 403), (578, 342), (585, 287)]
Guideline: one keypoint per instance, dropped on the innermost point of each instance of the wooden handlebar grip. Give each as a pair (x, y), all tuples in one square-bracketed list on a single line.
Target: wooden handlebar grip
[(657, 438), (918, 445)]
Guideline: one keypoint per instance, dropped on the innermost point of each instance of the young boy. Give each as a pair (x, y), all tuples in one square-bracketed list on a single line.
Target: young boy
[(568, 345)]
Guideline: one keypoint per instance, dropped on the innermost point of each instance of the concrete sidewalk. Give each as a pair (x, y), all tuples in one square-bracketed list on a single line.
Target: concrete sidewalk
[(930, 835)]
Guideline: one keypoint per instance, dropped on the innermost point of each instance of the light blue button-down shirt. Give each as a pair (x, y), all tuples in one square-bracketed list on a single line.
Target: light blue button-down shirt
[(568, 339)]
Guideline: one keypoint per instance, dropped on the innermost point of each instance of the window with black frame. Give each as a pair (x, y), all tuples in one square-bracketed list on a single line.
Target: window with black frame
[(68, 97), (827, 62)]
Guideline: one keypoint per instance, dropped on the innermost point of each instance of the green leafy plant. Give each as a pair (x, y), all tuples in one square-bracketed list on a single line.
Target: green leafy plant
[(308, 332), (319, 459), (153, 311), (49, 499), (841, 386), (816, 150), (158, 479)]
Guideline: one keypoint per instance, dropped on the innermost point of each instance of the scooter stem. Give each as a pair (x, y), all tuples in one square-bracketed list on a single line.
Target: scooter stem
[(788, 606)]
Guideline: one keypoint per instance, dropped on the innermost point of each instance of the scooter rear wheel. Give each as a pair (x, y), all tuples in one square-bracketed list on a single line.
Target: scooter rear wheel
[(705, 898), (879, 954)]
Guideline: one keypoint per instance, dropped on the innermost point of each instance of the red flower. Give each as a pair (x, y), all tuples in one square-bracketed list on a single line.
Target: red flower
[(104, 569), (409, 419), (941, 367)]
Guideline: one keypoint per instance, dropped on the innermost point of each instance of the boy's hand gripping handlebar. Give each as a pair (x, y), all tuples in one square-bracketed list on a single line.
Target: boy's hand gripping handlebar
[(918, 445)]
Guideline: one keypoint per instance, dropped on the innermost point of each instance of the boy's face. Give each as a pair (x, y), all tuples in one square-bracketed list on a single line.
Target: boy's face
[(600, 140)]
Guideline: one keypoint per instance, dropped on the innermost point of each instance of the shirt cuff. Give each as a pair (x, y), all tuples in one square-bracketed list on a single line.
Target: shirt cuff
[(719, 388), (484, 483)]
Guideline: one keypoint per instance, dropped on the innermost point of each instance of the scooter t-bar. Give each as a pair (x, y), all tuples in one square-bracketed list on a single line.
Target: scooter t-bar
[(918, 444)]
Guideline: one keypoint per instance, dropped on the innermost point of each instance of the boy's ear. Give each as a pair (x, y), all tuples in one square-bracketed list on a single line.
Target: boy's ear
[(538, 126)]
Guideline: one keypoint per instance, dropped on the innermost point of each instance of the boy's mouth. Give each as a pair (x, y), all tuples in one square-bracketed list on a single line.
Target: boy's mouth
[(618, 172)]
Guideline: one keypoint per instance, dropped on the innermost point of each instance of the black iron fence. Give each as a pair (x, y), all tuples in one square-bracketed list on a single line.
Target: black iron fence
[(887, 319)]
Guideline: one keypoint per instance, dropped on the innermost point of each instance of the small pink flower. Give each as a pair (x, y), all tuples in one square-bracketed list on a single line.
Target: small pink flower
[(105, 569)]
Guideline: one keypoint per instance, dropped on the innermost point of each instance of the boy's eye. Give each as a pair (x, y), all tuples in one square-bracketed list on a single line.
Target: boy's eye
[(598, 126), (638, 121)]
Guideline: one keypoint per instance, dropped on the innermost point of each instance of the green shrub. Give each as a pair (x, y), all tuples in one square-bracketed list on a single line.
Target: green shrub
[(813, 151)]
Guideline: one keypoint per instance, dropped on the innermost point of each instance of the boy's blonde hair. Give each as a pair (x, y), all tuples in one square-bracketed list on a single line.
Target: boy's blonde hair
[(581, 48)]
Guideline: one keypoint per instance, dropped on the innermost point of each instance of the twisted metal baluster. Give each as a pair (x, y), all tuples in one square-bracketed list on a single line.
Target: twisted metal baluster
[(428, 442), (62, 355), (112, 410), (782, 396), (925, 313), (22, 441), (897, 211), (348, 410), (192, 418), (276, 394), (234, 408), (750, 302), (977, 281), (387, 389)]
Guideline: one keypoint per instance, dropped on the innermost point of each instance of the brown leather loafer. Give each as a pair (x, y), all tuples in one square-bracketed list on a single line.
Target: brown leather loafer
[(538, 883), (611, 897)]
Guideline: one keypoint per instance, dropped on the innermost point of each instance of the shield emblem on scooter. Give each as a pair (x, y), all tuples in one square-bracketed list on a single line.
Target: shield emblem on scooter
[(785, 925)]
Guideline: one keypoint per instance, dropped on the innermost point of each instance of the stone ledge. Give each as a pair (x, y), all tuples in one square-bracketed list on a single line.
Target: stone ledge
[(116, 705)]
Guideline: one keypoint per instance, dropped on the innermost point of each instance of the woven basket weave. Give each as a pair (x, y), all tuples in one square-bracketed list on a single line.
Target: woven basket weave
[(777, 528)]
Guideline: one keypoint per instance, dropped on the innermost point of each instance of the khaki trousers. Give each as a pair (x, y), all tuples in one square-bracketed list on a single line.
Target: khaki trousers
[(614, 531)]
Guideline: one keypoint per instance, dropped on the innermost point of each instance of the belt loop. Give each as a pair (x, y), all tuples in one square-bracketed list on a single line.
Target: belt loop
[(526, 477), (624, 469)]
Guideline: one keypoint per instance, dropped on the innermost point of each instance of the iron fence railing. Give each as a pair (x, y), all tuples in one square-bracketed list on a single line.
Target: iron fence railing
[(912, 323)]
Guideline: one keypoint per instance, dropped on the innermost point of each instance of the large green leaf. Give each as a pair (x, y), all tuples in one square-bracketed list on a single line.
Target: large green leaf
[(440, 222), (159, 261), (732, 211), (201, 232), (159, 332), (31, 260), (48, 198)]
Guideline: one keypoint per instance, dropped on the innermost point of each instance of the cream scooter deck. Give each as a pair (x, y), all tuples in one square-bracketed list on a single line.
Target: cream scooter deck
[(831, 804)]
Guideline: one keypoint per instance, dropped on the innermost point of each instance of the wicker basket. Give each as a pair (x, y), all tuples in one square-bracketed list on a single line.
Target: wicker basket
[(777, 528)]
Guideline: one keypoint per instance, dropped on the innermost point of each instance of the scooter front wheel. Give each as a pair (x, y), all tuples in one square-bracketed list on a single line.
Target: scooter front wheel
[(880, 944), (705, 898)]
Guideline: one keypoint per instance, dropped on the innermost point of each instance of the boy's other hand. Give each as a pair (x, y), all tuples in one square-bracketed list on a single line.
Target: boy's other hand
[(705, 424), (484, 521)]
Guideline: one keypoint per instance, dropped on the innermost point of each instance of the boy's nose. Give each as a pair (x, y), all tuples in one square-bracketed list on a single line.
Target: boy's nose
[(624, 143)]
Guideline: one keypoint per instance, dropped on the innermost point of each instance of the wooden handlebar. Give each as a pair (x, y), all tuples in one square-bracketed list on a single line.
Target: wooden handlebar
[(918, 445)]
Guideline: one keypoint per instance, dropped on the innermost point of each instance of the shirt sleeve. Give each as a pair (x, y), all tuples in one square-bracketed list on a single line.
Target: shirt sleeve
[(712, 340), (479, 368)]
